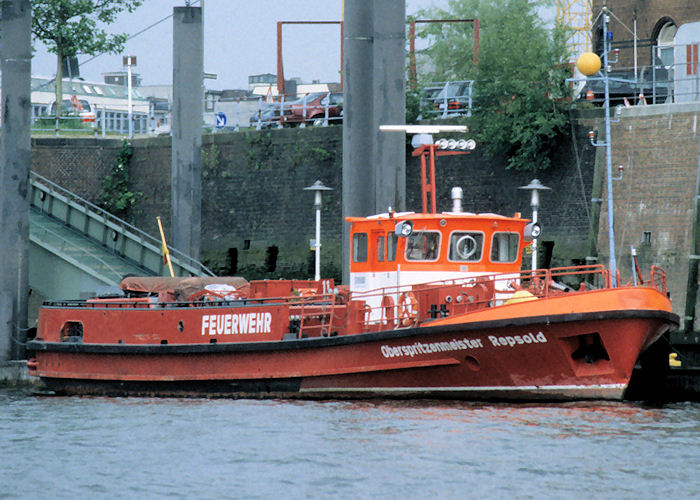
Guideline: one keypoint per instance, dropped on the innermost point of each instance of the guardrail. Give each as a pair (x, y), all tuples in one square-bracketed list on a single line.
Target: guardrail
[(111, 232), (100, 123)]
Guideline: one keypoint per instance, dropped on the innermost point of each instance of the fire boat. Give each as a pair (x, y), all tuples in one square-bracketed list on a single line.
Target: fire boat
[(437, 306)]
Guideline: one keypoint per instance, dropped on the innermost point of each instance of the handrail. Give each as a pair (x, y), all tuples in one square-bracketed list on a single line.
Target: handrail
[(489, 290), (113, 223)]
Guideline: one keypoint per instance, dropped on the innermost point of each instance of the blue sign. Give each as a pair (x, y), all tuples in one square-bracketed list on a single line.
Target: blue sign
[(220, 120)]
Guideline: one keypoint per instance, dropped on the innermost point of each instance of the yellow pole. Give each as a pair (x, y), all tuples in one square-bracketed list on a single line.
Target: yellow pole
[(166, 253)]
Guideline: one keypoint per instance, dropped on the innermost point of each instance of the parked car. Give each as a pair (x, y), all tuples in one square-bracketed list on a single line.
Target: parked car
[(312, 108), (455, 98), (267, 116), (74, 107), (655, 87), (426, 101)]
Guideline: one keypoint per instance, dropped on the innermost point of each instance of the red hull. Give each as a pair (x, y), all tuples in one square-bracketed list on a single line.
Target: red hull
[(511, 359)]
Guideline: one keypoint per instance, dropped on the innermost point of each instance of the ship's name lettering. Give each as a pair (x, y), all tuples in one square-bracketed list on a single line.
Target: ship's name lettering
[(236, 324), (427, 348), (512, 341)]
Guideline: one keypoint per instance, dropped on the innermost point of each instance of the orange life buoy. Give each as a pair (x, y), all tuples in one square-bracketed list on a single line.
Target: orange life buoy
[(408, 309), (388, 311)]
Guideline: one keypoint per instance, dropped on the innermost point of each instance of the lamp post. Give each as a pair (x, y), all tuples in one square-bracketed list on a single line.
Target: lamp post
[(129, 61), (318, 187), (589, 64), (535, 187)]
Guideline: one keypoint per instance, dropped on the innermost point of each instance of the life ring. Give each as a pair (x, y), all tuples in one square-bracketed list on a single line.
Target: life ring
[(408, 309)]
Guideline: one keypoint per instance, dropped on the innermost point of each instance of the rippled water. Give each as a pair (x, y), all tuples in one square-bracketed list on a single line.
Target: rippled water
[(196, 448)]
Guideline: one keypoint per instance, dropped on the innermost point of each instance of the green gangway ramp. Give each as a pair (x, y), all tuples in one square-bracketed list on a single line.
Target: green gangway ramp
[(78, 250)]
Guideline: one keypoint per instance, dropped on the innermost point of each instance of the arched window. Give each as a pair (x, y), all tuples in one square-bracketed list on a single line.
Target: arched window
[(664, 33)]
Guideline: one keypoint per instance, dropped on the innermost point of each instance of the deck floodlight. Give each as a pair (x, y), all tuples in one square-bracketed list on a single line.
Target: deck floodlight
[(404, 228), (471, 144), (451, 144), (442, 143)]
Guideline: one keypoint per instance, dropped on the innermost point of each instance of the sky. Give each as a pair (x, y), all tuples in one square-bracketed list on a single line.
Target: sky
[(240, 39)]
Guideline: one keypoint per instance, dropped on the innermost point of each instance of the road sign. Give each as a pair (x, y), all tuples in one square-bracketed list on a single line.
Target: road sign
[(220, 120)]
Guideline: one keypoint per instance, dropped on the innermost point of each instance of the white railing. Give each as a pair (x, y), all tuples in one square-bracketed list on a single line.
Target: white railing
[(299, 112)]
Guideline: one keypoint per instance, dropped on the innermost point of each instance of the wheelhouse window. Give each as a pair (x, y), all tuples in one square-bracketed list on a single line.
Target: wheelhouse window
[(359, 247), (391, 241), (423, 245), (504, 247), (380, 249), (466, 246)]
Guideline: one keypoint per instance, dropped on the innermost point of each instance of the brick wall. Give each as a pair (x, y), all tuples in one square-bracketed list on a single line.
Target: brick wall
[(649, 14), (658, 147)]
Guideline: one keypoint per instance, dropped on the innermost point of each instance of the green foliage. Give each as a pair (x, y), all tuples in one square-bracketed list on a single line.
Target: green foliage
[(211, 160), (520, 68), (70, 27), (304, 152), (116, 196), (259, 149), (412, 106)]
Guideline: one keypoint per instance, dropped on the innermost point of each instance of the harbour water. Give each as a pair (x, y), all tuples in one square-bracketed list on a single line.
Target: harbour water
[(55, 447)]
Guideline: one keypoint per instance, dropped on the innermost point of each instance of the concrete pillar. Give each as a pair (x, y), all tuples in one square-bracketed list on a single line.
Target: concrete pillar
[(15, 145), (358, 164), (188, 95), (374, 166), (389, 104)]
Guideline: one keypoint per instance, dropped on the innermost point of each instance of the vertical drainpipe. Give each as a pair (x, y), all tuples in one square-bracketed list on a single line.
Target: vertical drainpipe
[(691, 291)]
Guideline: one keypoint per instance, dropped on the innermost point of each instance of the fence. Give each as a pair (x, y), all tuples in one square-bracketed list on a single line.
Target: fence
[(317, 109), (103, 121)]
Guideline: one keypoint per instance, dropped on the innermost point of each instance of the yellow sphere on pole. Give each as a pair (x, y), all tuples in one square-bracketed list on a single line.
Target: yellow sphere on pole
[(588, 63)]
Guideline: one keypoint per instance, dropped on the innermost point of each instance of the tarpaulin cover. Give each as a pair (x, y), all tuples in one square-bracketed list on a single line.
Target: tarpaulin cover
[(178, 288)]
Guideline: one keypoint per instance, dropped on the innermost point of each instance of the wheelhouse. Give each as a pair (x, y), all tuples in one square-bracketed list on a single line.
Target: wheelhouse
[(436, 246)]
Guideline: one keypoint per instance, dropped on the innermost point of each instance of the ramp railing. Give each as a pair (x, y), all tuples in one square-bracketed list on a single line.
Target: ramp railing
[(116, 235)]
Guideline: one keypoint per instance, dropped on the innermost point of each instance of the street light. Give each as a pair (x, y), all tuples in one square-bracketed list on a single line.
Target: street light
[(589, 64), (317, 187), (535, 187)]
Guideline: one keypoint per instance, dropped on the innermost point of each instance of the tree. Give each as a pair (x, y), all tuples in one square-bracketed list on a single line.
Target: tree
[(521, 68), (70, 27)]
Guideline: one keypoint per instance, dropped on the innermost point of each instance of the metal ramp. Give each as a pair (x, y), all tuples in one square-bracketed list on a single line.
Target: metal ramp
[(78, 249)]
